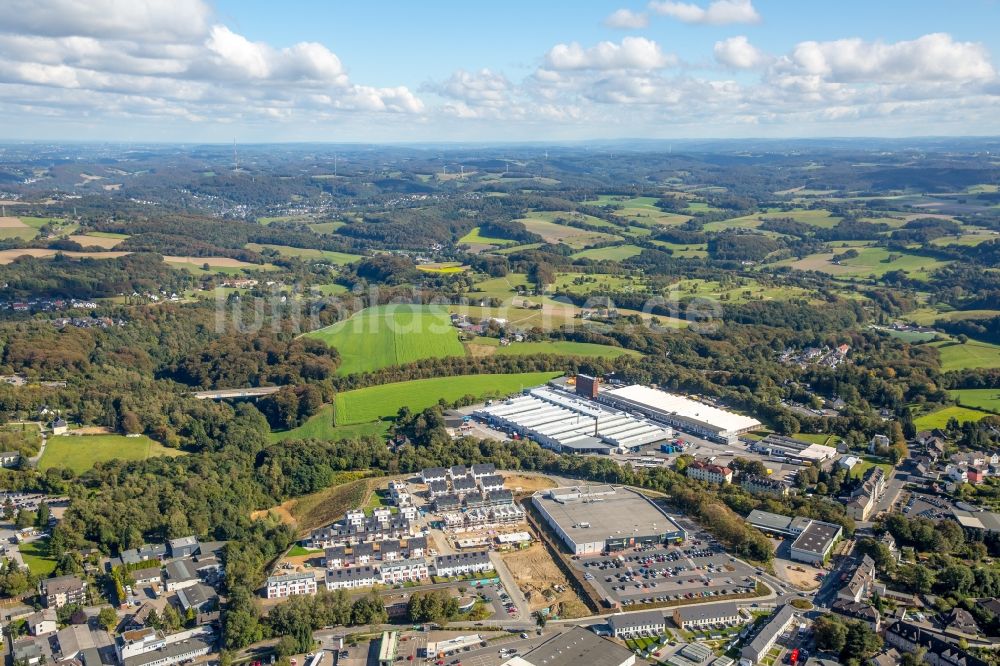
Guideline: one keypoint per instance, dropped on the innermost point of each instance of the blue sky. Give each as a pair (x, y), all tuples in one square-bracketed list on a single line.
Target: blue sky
[(195, 70)]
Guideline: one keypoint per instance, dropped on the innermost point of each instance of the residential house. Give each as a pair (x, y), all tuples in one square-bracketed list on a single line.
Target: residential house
[(960, 621), (463, 485), (690, 617), (9, 458), (62, 590), (26, 651), (439, 474), (458, 472), (757, 649), (859, 610), (180, 574), (483, 469), (703, 471), (279, 587), (200, 597), (59, 426), (861, 583), (403, 571), (499, 497), (491, 482), (183, 547), (146, 553), (447, 502), (758, 485), (147, 576), (878, 442), (462, 564), (634, 624), (437, 489), (352, 578), (43, 622), (907, 637)]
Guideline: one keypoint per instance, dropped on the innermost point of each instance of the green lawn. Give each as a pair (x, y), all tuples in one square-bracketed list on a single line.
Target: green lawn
[(985, 399), (339, 258), (862, 467), (391, 335), (378, 402), (299, 551), (565, 347), (80, 453), (940, 418), (613, 253), (973, 354), (36, 557), (321, 427)]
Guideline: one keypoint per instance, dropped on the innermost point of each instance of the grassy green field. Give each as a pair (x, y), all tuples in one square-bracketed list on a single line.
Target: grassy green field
[(817, 218), (339, 258), (37, 558), (613, 253), (985, 399), (973, 354), (321, 427), (560, 233), (940, 418), (391, 335), (565, 347), (870, 261), (380, 402), (80, 453), (862, 467), (474, 238)]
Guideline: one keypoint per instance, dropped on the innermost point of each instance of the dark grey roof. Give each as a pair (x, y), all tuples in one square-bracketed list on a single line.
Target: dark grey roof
[(180, 570), (775, 625), (576, 647), (703, 612), (196, 596), (640, 619), (458, 559), (366, 572)]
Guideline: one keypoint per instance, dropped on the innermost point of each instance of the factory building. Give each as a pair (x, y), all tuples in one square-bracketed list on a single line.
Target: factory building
[(678, 411), (569, 423), (596, 519)]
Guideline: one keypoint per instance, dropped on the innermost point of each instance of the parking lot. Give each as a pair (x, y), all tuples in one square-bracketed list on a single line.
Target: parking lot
[(659, 574), (925, 506)]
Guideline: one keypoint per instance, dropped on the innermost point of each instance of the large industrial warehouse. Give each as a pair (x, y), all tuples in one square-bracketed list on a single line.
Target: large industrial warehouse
[(565, 422), (688, 415), (595, 519)]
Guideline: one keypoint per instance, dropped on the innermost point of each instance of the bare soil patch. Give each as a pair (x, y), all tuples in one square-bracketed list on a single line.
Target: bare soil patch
[(544, 586), (10, 222)]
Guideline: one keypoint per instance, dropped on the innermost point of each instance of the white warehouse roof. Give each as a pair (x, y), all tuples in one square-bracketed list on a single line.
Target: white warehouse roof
[(684, 408)]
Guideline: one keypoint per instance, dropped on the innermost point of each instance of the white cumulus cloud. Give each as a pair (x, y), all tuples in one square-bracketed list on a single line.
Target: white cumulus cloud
[(626, 19), (718, 12), (739, 53), (632, 53)]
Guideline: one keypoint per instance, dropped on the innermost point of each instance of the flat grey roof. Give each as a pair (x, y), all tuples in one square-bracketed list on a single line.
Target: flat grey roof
[(619, 514), (816, 538), (768, 520), (172, 650), (575, 647)]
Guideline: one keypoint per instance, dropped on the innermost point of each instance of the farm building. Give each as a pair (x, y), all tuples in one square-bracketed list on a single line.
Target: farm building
[(594, 519)]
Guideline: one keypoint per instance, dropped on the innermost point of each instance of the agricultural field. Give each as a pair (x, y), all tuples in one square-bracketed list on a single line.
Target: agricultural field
[(578, 283), (612, 253), (391, 335), (474, 238), (481, 346), (987, 399), (690, 251), (102, 241), (338, 258), (225, 265), (973, 354), (549, 317), (817, 218), (940, 418), (13, 227), (443, 268), (560, 233), (7, 256), (739, 291), (383, 402), (79, 453), (870, 261)]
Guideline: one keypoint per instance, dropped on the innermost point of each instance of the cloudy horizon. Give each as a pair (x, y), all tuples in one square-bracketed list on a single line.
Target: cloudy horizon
[(194, 71)]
